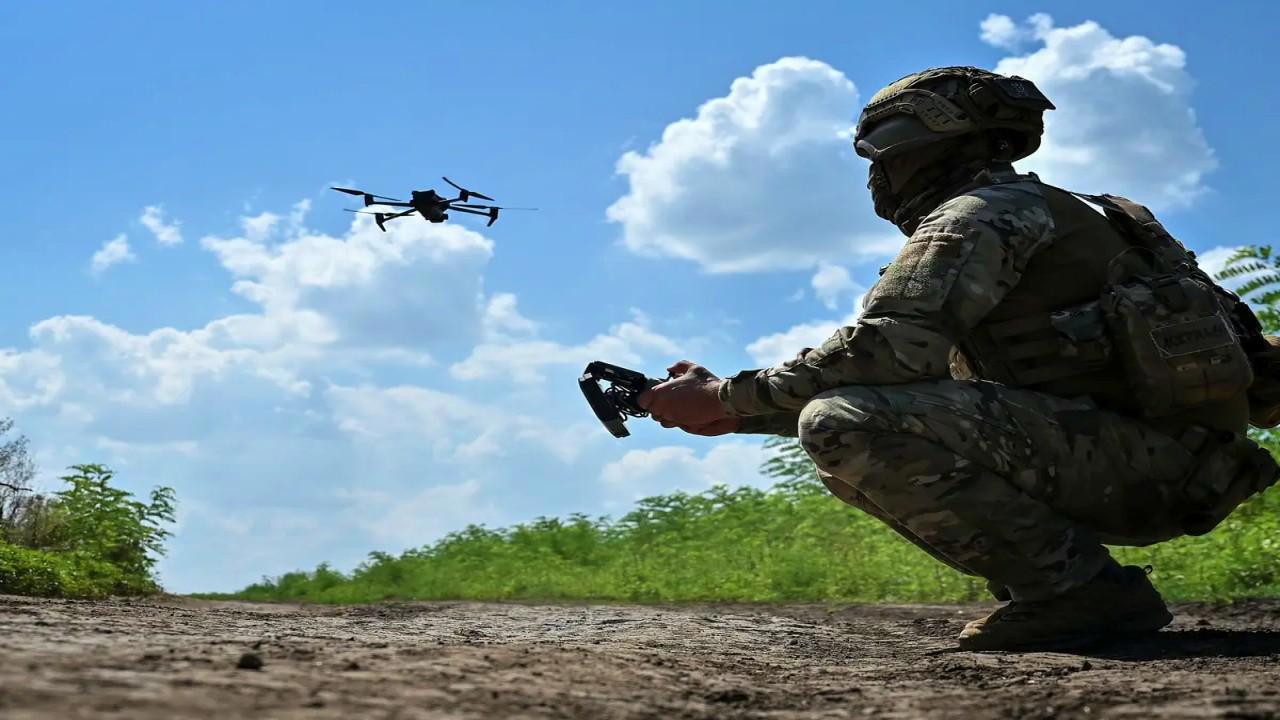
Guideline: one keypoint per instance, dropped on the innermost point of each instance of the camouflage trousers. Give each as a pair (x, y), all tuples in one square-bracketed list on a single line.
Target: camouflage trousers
[(1016, 486)]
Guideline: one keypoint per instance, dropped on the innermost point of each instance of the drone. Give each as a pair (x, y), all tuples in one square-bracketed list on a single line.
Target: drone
[(428, 203)]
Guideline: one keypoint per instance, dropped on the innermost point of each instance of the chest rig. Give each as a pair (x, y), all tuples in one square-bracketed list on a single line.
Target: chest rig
[(1128, 317)]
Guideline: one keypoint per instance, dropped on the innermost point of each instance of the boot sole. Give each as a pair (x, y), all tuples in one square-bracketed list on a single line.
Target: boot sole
[(1124, 628)]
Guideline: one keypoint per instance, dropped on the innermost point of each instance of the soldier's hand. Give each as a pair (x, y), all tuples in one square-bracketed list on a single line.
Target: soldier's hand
[(690, 401)]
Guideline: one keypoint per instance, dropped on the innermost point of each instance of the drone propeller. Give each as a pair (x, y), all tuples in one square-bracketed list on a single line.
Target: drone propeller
[(466, 194), (350, 191)]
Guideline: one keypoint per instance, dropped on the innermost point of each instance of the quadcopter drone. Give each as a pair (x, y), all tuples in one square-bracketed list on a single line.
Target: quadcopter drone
[(428, 203)]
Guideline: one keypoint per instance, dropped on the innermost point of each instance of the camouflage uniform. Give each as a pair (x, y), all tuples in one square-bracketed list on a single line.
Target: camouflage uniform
[(1019, 486)]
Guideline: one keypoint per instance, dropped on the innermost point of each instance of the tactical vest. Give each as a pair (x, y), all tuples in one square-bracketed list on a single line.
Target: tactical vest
[(1115, 309)]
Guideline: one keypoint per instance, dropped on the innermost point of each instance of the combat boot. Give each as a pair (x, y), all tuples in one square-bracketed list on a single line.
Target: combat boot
[(1119, 601)]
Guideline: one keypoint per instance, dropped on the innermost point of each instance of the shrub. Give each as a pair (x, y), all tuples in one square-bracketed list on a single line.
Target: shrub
[(89, 540)]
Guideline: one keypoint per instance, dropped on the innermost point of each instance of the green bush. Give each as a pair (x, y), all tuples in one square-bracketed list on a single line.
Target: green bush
[(108, 523), (24, 571), (93, 539)]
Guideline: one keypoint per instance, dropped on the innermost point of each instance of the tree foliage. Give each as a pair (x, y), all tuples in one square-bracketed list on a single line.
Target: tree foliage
[(89, 540), (1254, 271)]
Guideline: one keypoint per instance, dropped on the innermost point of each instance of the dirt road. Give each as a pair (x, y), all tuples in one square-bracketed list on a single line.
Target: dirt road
[(178, 658)]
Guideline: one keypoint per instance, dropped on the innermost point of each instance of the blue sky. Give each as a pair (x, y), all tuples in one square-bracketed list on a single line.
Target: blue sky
[(315, 390)]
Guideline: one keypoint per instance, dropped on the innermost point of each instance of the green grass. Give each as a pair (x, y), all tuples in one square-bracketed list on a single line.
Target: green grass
[(791, 543)]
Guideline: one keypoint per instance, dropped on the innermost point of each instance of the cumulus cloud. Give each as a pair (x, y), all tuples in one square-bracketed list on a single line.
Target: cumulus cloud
[(166, 232), (503, 318), (317, 383), (522, 357), (416, 285), (666, 469), (763, 178), (452, 427), (773, 348), (113, 252), (1124, 122), (325, 304), (831, 283), (1002, 32)]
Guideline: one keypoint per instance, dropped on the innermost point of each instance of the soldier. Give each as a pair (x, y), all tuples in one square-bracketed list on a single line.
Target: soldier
[(987, 403)]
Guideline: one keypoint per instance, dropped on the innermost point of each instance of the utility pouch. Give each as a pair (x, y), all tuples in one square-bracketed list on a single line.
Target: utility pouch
[(1229, 469), (1036, 349), (1177, 344)]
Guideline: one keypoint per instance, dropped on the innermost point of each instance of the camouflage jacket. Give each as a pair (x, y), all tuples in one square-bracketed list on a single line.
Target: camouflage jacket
[(954, 269)]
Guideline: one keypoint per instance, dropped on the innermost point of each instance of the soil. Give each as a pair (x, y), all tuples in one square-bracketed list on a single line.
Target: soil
[(183, 658)]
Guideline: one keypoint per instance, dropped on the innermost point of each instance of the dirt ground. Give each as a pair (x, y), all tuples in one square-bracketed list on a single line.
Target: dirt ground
[(179, 658)]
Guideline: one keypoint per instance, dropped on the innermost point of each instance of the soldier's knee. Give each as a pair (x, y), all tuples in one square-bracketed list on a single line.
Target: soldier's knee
[(842, 410), (813, 426), (835, 425)]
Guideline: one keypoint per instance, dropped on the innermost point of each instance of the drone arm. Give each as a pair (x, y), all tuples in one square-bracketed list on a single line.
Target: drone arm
[(455, 208), (491, 213)]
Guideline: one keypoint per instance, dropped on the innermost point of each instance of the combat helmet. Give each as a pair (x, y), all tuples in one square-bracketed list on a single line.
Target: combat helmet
[(929, 106)]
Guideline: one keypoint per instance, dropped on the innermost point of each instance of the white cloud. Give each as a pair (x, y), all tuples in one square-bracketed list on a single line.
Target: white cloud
[(502, 318), (666, 469), (831, 283), (1214, 260), (414, 286), (769, 350), (415, 519), (112, 252), (267, 225), (454, 428), (1002, 32), (259, 227), (763, 178), (326, 305), (262, 415), (1124, 122), (101, 363), (523, 358), (167, 233)]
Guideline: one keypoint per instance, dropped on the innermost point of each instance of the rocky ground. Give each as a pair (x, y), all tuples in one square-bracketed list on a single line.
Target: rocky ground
[(182, 658)]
